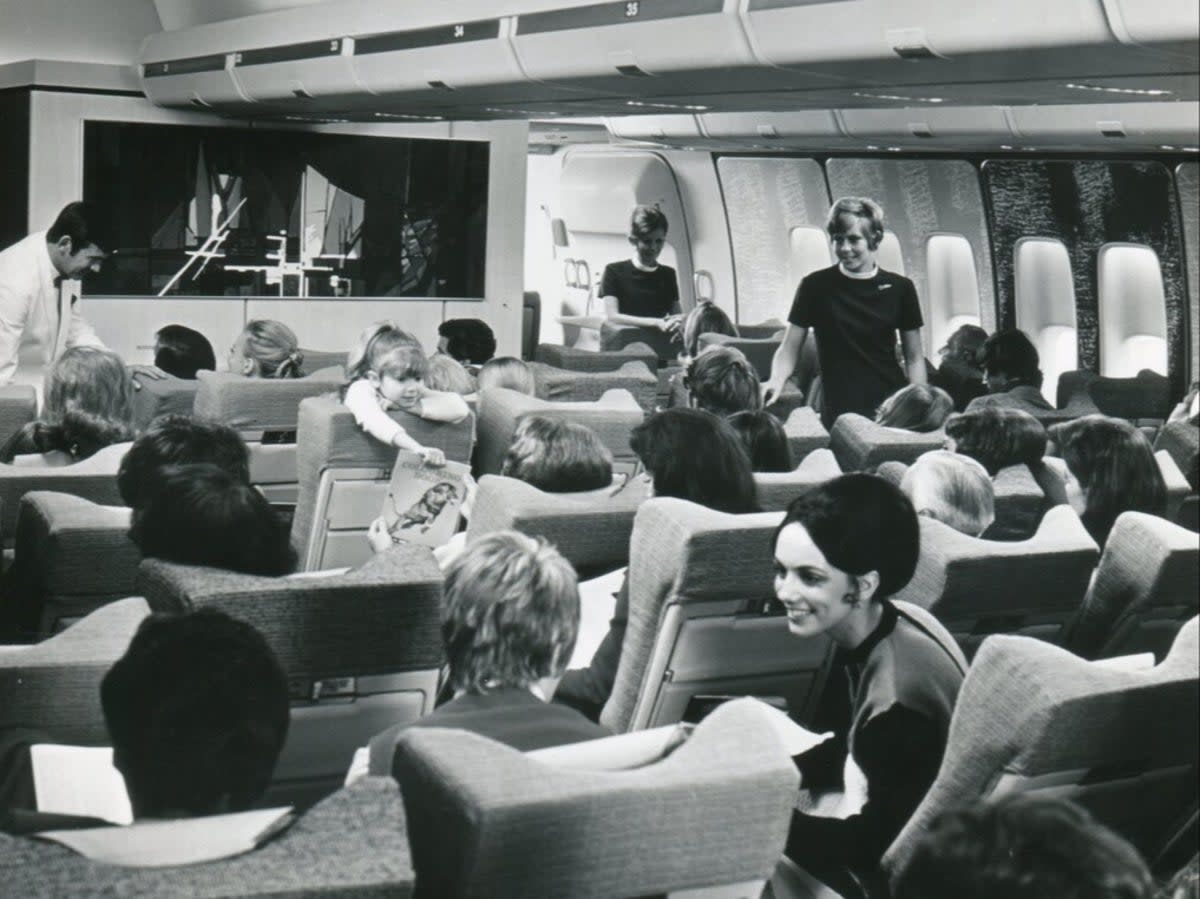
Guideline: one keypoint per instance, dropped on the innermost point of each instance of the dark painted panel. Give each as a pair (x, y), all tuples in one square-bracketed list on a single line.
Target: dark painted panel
[(1086, 205), (214, 63), (622, 13), (311, 50), (1187, 180), (443, 35), (14, 165)]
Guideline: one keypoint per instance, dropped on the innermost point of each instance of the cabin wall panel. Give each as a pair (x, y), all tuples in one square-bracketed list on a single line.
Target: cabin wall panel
[(128, 325), (1187, 181), (1087, 204)]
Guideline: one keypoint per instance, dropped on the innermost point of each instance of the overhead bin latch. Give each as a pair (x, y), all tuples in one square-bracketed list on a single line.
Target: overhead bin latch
[(911, 43)]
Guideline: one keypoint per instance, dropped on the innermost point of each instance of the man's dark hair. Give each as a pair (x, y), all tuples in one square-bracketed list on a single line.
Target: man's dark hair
[(180, 440), (180, 351), (469, 340), (1023, 847), (197, 709), (79, 222), (722, 380), (202, 515), (1012, 354), (997, 437)]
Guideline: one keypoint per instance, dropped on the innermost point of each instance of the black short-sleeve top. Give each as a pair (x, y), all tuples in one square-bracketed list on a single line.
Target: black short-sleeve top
[(855, 321), (652, 294)]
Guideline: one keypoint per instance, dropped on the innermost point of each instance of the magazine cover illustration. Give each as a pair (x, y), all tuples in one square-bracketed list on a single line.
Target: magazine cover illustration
[(424, 503)]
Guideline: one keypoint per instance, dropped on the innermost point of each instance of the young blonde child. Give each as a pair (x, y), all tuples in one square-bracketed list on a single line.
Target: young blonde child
[(386, 371)]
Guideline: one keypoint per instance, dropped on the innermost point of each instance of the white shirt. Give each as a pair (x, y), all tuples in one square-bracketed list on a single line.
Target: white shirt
[(29, 306)]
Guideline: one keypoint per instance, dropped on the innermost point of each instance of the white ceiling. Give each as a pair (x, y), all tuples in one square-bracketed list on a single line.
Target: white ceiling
[(104, 31), (185, 13)]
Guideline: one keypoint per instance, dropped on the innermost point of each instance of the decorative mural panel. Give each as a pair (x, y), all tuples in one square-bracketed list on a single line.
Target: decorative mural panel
[(1187, 180), (922, 197), (1086, 205)]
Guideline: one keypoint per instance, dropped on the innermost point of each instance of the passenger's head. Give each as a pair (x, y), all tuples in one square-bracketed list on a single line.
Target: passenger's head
[(648, 233), (764, 439), (202, 515), (843, 544), (447, 374), (1023, 847), (1009, 359), (855, 226), (997, 437), (705, 318), (916, 407), (964, 345), (469, 340), (180, 351), (722, 380), (695, 455), (952, 488), (510, 613), (266, 349), (557, 456), (180, 440), (374, 344), (76, 242), (508, 372), (197, 710), (1111, 469)]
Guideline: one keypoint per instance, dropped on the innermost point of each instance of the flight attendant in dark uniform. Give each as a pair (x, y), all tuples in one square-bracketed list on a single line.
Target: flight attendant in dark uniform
[(855, 309), (640, 291)]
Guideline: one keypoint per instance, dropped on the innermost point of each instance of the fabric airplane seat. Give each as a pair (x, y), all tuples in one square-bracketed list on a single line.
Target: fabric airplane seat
[(496, 823), (576, 359), (804, 432), (862, 445), (1145, 398), (563, 385), (18, 407), (776, 490), (153, 397), (979, 587)]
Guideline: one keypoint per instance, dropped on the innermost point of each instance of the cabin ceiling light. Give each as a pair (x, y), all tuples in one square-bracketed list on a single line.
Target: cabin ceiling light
[(685, 107), (1136, 91), (536, 113), (408, 117), (899, 97), (894, 149)]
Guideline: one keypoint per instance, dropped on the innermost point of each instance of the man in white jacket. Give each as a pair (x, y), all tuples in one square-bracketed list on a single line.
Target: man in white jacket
[(36, 305)]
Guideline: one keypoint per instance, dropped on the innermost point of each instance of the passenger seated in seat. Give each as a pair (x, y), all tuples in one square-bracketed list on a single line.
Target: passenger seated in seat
[(960, 373), (202, 515), (448, 375), (843, 548), (180, 440), (689, 454), (181, 352), (558, 456), (89, 405), (467, 340), (197, 710), (918, 408), (639, 291), (1012, 374), (1189, 407), (1023, 846), (953, 489), (721, 380), (386, 371), (510, 616), (764, 439), (508, 372), (1109, 469), (706, 318), (997, 437), (266, 349)]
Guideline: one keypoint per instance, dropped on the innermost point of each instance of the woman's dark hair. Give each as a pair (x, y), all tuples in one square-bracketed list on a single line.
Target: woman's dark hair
[(965, 343), (722, 380), (202, 515), (1115, 465), (469, 340), (180, 351), (694, 455), (919, 408), (706, 318), (861, 523), (180, 440), (557, 456), (997, 437), (197, 709), (764, 439), (1011, 354)]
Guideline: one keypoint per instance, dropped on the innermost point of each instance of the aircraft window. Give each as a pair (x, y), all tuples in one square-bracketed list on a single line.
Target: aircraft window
[(1132, 309), (953, 299), (1045, 305), (776, 209), (286, 213), (889, 255)]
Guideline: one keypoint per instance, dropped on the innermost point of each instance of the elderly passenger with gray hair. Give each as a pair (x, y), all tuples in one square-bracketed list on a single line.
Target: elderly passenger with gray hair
[(954, 489), (510, 616)]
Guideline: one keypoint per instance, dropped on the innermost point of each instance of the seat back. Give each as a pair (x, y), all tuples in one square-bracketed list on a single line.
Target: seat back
[(1144, 396), (1146, 586), (776, 490), (265, 411), (1182, 440), (592, 530), (319, 360), (561, 385), (162, 396), (804, 431), (703, 618), (361, 649), (497, 823), (352, 843), (575, 359), (1033, 718), (53, 687), (95, 478), (343, 475), (613, 417), (18, 407), (862, 445), (760, 351), (615, 337), (979, 587), (70, 557), (1175, 482)]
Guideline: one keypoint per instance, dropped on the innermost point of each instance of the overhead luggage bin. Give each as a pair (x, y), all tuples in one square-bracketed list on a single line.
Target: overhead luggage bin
[(967, 126), (1130, 126), (183, 77), (1172, 26), (817, 128), (655, 127)]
